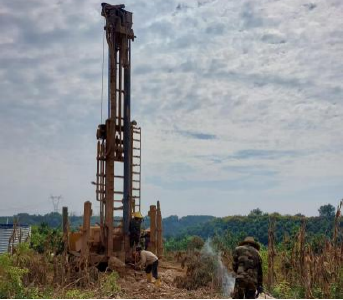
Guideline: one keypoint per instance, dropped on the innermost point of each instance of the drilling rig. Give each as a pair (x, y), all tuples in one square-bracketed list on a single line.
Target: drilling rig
[(118, 175)]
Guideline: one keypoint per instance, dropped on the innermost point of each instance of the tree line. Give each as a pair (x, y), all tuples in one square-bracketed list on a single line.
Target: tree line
[(231, 229), (255, 224)]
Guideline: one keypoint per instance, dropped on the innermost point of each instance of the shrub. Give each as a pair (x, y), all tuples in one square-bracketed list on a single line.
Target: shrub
[(109, 285), (11, 285), (201, 270), (46, 240), (195, 243), (78, 294), (284, 290)]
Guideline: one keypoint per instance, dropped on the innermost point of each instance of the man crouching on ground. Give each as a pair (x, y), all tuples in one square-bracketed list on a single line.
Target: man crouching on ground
[(149, 260)]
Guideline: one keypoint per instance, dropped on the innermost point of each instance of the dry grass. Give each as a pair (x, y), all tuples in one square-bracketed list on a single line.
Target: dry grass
[(315, 274), (200, 272)]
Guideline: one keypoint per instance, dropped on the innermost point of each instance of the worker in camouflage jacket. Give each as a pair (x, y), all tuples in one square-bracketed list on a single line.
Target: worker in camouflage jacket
[(247, 264)]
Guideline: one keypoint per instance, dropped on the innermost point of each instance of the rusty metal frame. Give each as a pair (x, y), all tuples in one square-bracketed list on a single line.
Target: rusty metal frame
[(114, 149)]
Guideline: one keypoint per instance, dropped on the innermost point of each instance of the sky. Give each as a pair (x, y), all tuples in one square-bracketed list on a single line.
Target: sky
[(240, 104)]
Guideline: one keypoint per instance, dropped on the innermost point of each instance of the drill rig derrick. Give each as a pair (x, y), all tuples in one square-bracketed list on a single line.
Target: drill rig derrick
[(118, 175), (115, 136)]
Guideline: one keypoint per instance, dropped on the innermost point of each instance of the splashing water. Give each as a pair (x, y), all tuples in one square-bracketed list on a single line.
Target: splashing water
[(227, 280)]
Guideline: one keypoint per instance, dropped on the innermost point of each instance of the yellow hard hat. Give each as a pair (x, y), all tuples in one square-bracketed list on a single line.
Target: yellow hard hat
[(138, 215)]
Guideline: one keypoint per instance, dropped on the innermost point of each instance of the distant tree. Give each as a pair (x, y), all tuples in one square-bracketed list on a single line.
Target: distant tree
[(327, 211), (256, 212), (299, 215)]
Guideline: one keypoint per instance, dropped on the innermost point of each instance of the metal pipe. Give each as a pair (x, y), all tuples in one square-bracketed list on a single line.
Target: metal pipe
[(159, 231), (127, 141), (152, 215), (120, 87), (109, 182), (102, 186), (87, 213), (140, 168), (109, 83), (97, 170), (65, 226), (113, 78)]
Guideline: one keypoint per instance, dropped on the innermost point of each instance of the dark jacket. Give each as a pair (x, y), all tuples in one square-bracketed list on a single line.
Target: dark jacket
[(247, 264), (135, 227)]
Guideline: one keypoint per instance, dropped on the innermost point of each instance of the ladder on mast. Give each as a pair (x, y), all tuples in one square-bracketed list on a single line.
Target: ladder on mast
[(136, 164)]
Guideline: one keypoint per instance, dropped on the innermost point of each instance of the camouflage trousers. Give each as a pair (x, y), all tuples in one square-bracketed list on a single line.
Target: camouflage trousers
[(244, 290)]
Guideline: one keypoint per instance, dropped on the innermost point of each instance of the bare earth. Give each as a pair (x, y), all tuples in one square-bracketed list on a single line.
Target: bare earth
[(134, 285)]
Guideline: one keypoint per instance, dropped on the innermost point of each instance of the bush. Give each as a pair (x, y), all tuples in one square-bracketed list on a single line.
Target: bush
[(201, 270), (284, 290), (20, 271), (45, 239), (26, 258), (11, 285), (109, 285), (195, 243), (78, 294)]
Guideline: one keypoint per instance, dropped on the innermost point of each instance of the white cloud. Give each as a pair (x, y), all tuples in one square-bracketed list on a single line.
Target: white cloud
[(240, 103)]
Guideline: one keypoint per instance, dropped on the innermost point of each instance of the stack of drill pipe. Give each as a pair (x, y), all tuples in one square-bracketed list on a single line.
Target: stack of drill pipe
[(159, 231), (152, 215), (86, 228), (65, 226), (156, 242)]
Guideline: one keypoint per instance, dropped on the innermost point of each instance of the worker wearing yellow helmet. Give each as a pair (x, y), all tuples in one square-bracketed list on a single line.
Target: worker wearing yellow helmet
[(135, 228), (138, 215)]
